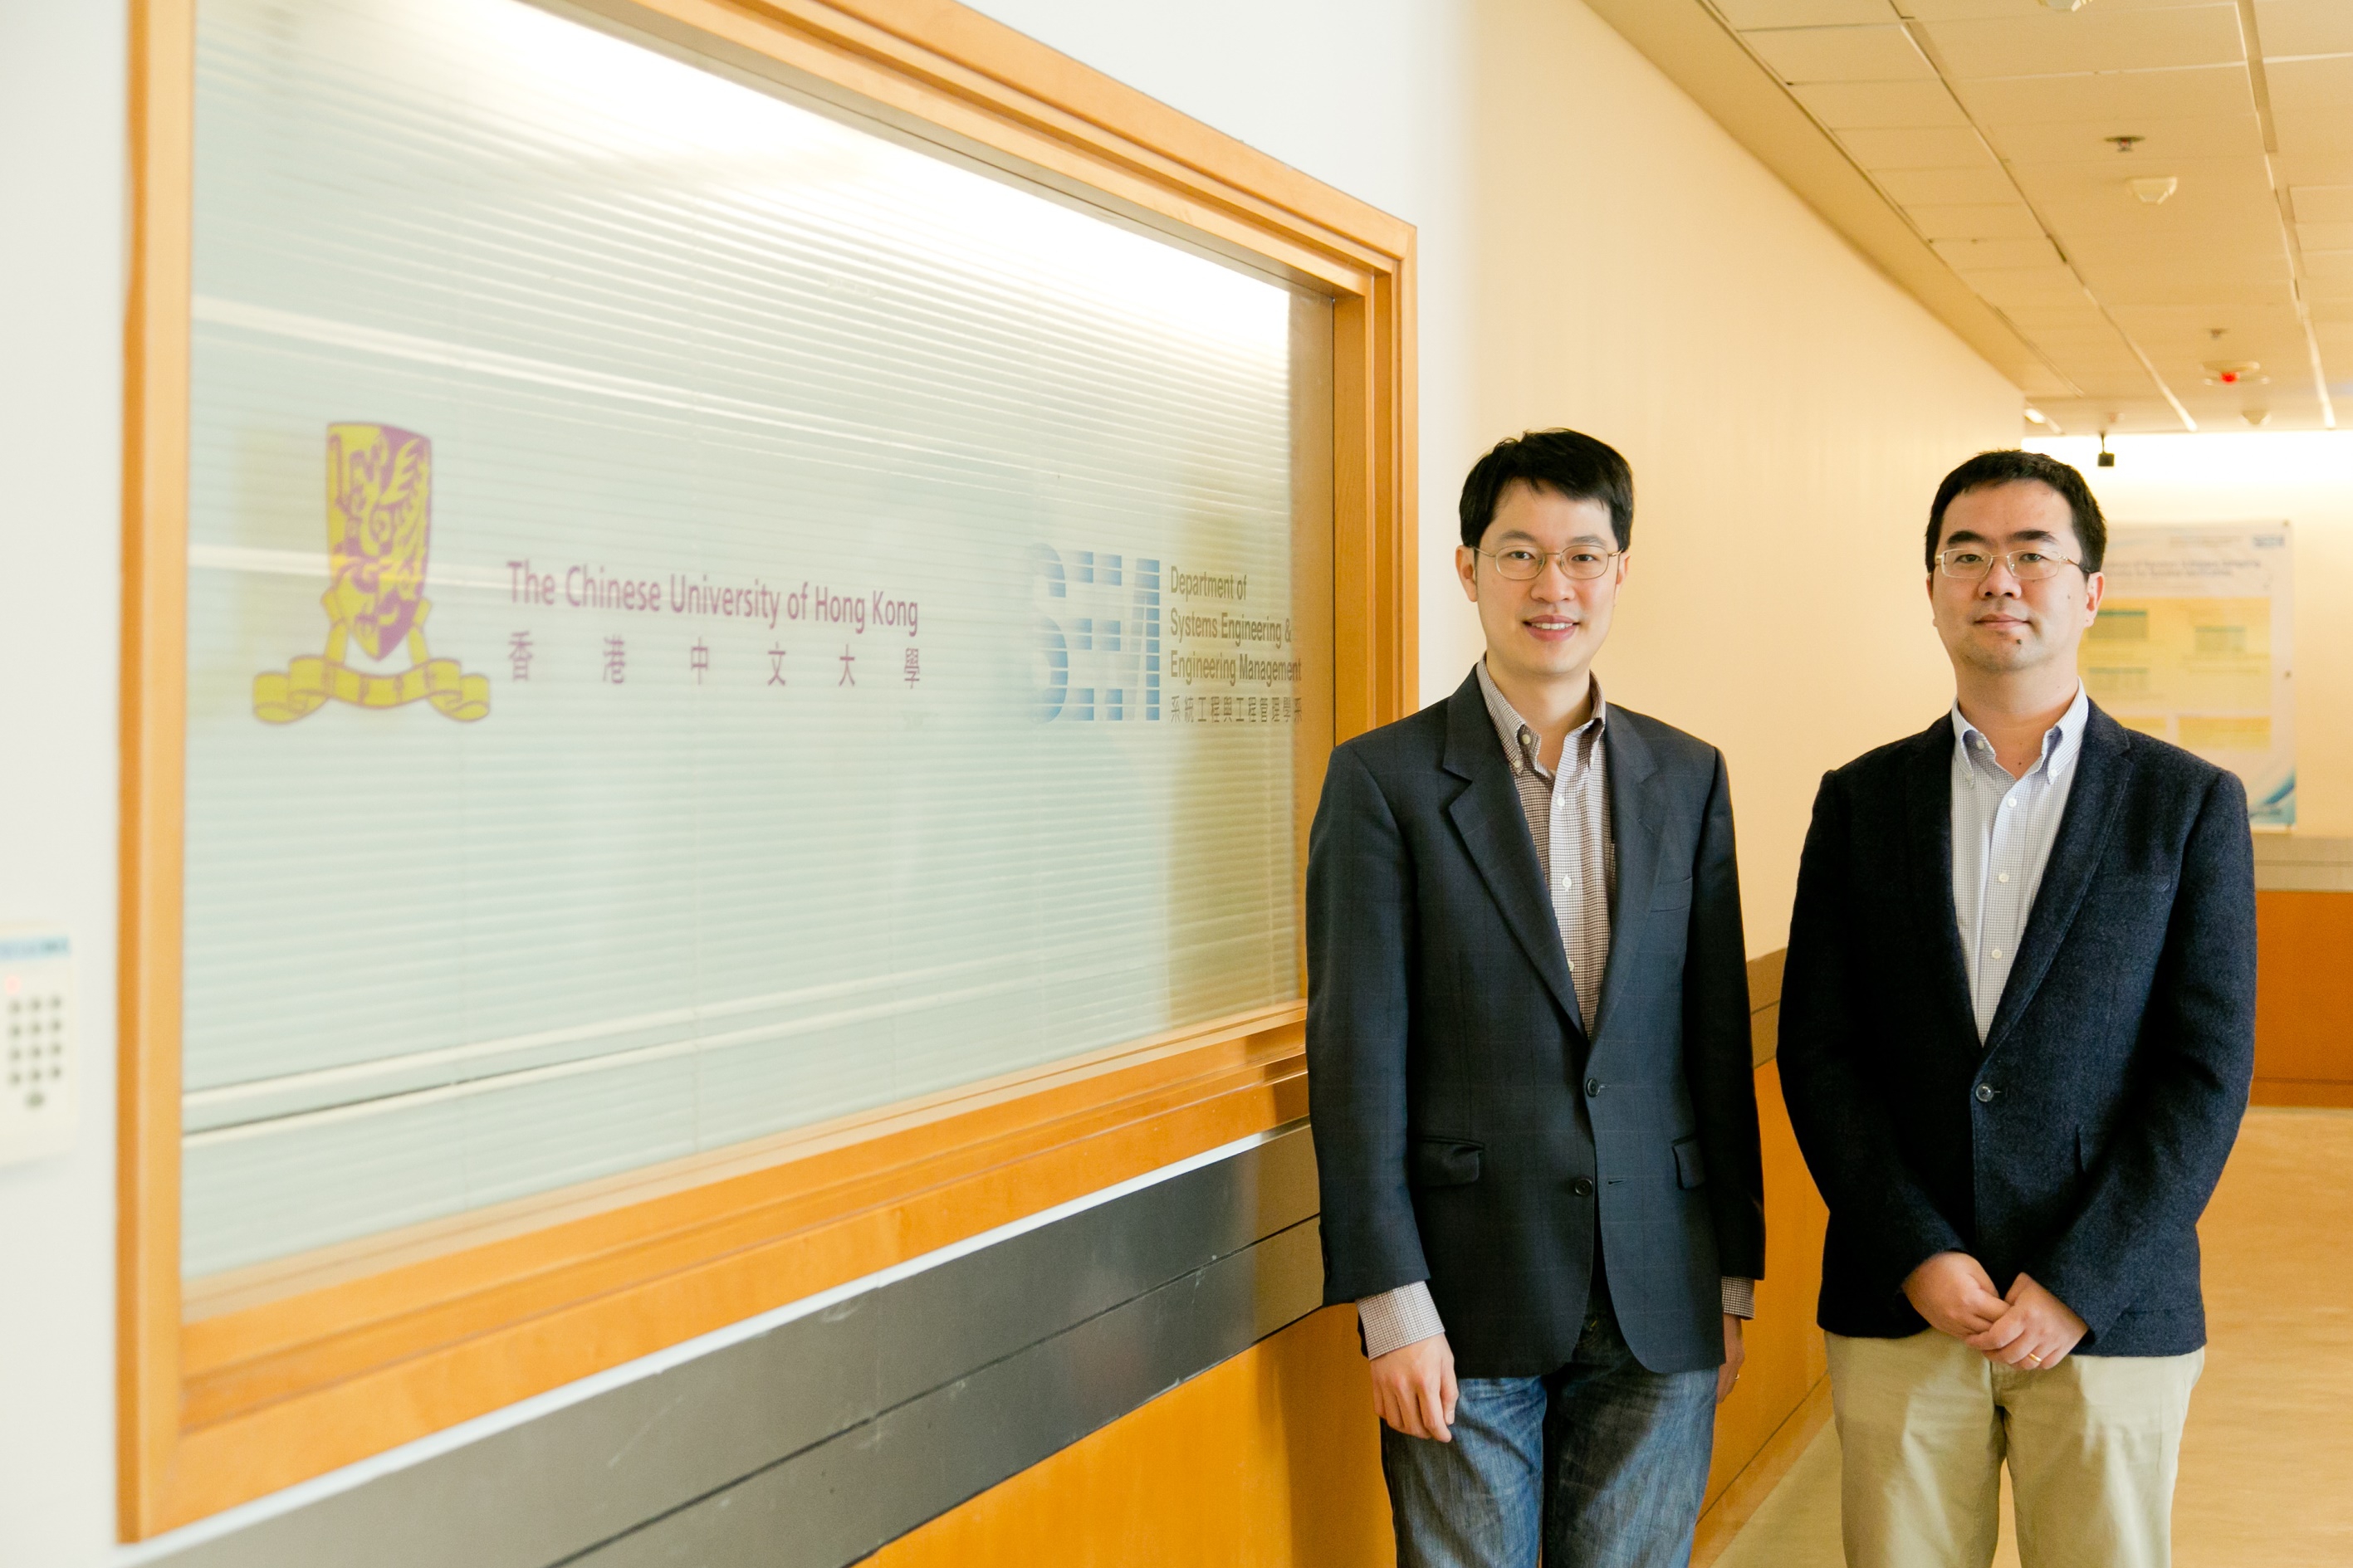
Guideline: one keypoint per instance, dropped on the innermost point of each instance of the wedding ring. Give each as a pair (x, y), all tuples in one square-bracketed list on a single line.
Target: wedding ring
[(2032, 1357)]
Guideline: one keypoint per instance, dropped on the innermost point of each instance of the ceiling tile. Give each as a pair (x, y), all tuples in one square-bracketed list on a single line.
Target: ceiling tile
[(2313, 166), (1849, 105), (2093, 39), (2162, 141), (2190, 94), (2025, 285), (2324, 235), (2328, 263), (2323, 203), (2303, 26), (1841, 54), (1745, 15), (2308, 103), (2059, 315), (2337, 291), (1981, 254), (2009, 220), (1952, 10), (1941, 147), (1947, 187)]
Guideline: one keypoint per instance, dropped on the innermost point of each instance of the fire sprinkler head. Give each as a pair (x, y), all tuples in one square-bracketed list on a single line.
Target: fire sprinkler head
[(2125, 144)]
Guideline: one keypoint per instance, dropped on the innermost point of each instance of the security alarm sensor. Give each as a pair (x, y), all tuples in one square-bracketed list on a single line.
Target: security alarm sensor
[(2156, 188), (2066, 5), (41, 1090)]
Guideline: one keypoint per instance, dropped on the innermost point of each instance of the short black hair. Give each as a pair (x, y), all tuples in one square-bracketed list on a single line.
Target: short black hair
[(2012, 467), (1566, 462)]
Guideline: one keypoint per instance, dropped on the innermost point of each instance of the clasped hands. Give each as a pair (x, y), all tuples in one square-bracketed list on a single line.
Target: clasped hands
[(2028, 1327)]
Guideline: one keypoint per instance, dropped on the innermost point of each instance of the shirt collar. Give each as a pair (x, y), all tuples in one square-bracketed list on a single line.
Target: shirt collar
[(2061, 743), (1521, 746)]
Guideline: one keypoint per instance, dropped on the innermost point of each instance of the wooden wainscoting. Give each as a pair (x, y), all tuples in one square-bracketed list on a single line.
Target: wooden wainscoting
[(2304, 998), (1783, 1399)]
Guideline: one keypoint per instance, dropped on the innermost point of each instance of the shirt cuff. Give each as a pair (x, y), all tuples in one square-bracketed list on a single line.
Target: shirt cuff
[(1739, 1298), (1396, 1319)]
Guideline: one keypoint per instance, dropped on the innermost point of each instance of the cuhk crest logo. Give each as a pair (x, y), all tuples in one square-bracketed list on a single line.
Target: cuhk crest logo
[(379, 523)]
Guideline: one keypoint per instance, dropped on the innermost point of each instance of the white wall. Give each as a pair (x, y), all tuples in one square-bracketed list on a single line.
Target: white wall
[(2306, 477), (61, 237), (1594, 250)]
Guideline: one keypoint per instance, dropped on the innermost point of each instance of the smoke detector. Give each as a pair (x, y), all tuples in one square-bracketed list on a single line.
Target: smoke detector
[(2257, 415), (2155, 188), (2235, 373)]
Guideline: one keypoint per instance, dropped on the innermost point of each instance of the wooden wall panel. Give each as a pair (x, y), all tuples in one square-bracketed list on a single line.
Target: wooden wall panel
[(1270, 1457), (2304, 998)]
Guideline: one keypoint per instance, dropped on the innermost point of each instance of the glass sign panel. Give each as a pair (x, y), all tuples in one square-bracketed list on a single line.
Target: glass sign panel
[(704, 617)]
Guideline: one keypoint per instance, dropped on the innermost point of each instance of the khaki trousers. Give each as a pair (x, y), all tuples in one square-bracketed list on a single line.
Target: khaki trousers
[(1924, 1424)]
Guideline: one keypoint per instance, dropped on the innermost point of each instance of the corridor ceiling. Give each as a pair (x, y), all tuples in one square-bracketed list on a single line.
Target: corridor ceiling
[(1986, 152)]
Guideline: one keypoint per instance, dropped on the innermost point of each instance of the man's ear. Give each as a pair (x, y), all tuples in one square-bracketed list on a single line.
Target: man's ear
[(1466, 568), (2096, 588)]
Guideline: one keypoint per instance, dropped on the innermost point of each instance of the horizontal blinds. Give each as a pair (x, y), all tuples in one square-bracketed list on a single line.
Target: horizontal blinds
[(703, 618)]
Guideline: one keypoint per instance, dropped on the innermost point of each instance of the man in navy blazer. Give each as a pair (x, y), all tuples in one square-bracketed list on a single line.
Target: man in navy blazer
[(1529, 1066), (2016, 1031)]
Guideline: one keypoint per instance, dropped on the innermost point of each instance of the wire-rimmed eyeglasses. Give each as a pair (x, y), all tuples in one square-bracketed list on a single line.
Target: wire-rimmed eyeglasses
[(1522, 564), (1971, 565)]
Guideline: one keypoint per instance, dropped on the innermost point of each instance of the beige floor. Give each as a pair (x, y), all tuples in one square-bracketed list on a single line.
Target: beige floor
[(2267, 1461)]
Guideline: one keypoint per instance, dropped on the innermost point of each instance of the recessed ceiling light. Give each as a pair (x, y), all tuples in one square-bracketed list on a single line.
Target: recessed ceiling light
[(2155, 188)]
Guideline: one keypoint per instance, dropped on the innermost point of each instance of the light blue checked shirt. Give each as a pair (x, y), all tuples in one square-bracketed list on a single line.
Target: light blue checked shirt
[(2003, 829)]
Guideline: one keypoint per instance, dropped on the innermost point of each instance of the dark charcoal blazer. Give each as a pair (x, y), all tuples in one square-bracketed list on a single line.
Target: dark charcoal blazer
[(1467, 1132), (2080, 1141)]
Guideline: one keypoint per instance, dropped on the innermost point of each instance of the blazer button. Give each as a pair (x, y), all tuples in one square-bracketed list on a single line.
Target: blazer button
[(1582, 1187), (1984, 1094), (1592, 1087)]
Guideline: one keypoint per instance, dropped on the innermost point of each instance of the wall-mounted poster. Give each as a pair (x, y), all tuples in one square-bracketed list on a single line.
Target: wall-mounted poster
[(2193, 645)]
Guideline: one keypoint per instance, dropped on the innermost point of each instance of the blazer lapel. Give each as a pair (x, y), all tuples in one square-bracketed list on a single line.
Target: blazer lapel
[(1929, 865), (1634, 828), (1496, 831), (2103, 766)]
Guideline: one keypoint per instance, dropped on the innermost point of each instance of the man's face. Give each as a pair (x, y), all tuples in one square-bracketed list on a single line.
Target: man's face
[(2001, 622), (1552, 624)]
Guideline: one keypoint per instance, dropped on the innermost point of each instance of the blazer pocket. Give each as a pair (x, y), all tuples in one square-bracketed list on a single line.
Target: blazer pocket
[(1675, 895), (1445, 1162), (1690, 1166)]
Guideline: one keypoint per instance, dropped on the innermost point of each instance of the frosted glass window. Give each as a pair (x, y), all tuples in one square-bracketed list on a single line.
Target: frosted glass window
[(704, 617)]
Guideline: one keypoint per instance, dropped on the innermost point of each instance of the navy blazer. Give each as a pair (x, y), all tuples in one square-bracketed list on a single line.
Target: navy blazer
[(2079, 1142), (1467, 1130)]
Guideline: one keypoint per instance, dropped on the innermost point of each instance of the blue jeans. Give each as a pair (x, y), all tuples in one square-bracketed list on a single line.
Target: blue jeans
[(1603, 1461)]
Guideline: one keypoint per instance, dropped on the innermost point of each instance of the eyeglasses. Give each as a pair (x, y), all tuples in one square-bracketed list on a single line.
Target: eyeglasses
[(1971, 565), (1522, 565)]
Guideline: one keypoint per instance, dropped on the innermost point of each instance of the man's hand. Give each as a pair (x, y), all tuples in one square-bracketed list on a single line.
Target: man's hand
[(1735, 1355), (2035, 1333), (1414, 1389), (1954, 1292)]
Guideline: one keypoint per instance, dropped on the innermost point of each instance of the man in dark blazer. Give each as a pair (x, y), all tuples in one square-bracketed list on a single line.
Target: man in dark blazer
[(2017, 1030), (1529, 1066)]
